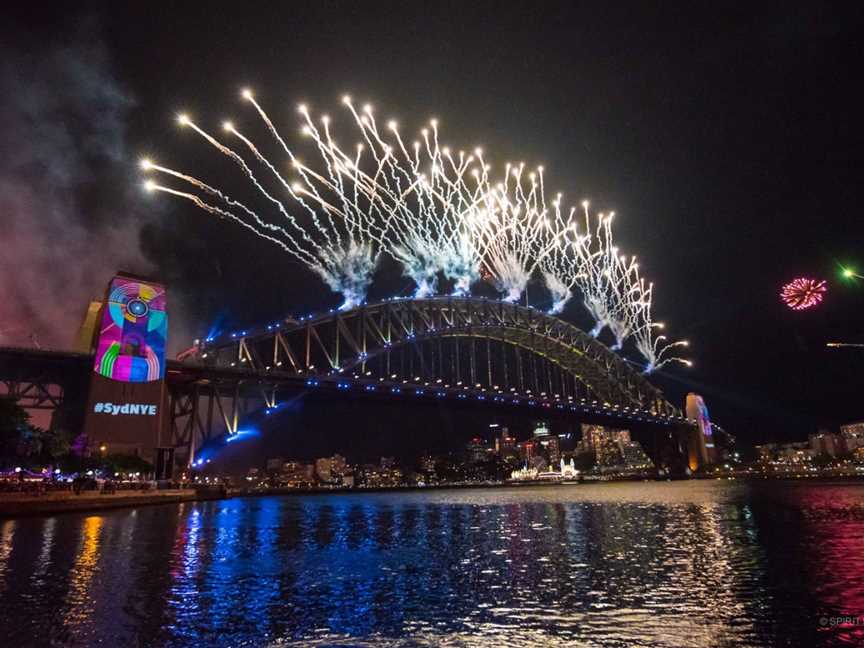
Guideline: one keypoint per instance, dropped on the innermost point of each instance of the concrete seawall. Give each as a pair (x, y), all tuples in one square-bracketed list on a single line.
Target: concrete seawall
[(23, 504)]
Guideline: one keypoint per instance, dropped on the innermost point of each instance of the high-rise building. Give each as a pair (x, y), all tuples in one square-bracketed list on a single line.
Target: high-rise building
[(476, 450), (527, 450), (825, 443), (505, 444), (634, 456), (552, 447), (338, 465), (296, 474), (427, 464), (595, 435), (851, 437)]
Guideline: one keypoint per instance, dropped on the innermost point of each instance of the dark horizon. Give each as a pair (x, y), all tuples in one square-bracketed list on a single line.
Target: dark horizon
[(727, 140)]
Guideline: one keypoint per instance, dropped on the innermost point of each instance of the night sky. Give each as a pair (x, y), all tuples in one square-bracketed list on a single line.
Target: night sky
[(727, 139)]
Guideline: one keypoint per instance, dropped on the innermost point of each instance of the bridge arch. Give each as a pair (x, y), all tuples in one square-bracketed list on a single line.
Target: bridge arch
[(452, 342)]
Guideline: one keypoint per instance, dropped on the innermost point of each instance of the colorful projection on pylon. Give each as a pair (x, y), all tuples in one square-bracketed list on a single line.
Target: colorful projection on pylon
[(134, 327)]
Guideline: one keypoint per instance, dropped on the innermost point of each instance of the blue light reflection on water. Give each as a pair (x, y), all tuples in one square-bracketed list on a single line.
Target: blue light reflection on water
[(683, 564)]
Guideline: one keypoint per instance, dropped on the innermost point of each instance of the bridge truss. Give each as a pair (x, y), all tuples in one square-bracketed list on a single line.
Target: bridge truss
[(469, 345)]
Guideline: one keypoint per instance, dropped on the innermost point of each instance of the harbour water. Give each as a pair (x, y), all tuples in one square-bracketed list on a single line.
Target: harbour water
[(699, 563)]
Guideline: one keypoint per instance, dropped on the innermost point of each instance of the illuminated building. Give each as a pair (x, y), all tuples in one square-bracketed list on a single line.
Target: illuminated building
[(338, 465), (598, 435), (524, 474), (552, 447), (851, 437), (476, 450), (380, 477), (541, 430), (427, 464), (853, 429), (527, 450), (787, 453), (825, 443), (634, 456), (505, 444), (612, 448), (296, 474), (323, 469), (568, 470)]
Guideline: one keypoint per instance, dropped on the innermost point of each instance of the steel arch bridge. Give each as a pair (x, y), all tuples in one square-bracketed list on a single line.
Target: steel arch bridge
[(471, 345)]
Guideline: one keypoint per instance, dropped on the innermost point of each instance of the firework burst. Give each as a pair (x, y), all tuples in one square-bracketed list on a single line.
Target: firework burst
[(438, 212), (803, 293)]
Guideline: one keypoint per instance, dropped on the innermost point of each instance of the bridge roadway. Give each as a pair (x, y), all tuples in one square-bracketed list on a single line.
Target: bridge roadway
[(203, 401)]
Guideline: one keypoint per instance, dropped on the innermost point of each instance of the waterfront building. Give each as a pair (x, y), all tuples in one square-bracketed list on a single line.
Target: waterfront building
[(853, 428), (323, 469), (552, 448), (596, 435), (296, 474), (373, 476), (476, 450), (427, 464), (524, 474), (505, 444), (787, 453), (541, 430), (274, 465), (527, 450), (825, 443), (851, 437), (634, 456), (568, 470)]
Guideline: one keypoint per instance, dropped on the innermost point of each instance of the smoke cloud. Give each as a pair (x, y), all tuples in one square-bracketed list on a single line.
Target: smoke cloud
[(68, 216)]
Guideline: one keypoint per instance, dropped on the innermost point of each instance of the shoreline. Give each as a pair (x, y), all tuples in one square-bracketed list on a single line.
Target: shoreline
[(299, 492), (25, 505)]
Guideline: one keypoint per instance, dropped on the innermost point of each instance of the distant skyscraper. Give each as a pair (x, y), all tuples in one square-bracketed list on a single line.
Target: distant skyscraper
[(527, 450), (476, 450), (595, 435), (552, 447)]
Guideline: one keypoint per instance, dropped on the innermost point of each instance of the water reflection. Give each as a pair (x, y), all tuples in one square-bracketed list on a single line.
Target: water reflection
[(695, 564)]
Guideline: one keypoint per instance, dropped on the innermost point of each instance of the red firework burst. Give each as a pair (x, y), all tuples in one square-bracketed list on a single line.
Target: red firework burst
[(803, 292)]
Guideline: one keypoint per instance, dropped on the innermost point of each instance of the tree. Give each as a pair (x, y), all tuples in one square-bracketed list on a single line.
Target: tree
[(14, 426)]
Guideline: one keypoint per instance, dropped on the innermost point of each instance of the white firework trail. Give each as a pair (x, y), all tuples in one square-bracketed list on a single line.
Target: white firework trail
[(654, 348), (423, 191), (435, 211), (327, 223), (600, 270), (515, 230), (566, 266)]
